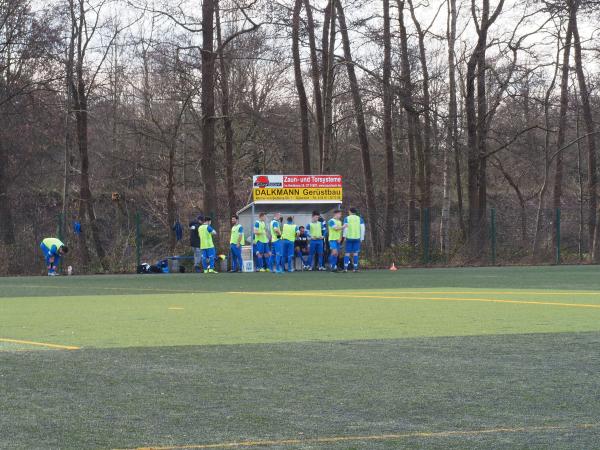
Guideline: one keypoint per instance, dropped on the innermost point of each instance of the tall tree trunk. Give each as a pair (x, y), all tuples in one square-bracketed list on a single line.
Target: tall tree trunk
[(591, 140), (227, 120), (406, 100), (7, 231), (562, 121), (427, 130), (208, 155), (390, 199), (302, 100), (580, 187), (482, 131), (361, 128), (327, 72), (171, 194), (66, 170), (477, 126), (451, 133), (80, 94), (84, 191), (315, 75), (544, 188)]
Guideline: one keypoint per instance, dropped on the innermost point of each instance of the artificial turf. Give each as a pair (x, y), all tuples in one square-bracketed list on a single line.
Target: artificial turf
[(199, 359)]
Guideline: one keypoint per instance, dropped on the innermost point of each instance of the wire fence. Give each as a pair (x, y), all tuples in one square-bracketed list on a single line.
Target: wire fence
[(499, 236)]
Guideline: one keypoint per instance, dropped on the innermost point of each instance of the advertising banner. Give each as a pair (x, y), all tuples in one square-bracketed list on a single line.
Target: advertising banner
[(297, 188)]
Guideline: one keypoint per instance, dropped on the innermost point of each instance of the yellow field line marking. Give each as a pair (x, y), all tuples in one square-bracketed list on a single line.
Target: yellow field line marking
[(483, 291), (378, 437), (103, 288), (185, 291), (442, 299), (175, 308), (40, 344)]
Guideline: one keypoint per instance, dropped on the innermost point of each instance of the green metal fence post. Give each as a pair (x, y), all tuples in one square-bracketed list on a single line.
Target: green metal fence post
[(60, 230), (493, 235), (425, 235), (557, 225), (138, 241), (60, 235)]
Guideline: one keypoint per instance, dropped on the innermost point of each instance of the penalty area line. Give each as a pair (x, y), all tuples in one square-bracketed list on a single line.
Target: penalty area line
[(438, 299), (40, 344), (375, 437)]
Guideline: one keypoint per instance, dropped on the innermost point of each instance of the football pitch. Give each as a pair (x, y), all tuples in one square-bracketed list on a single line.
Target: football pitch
[(419, 358)]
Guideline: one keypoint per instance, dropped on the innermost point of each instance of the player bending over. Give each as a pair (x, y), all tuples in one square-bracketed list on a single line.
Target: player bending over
[(207, 246), (53, 249)]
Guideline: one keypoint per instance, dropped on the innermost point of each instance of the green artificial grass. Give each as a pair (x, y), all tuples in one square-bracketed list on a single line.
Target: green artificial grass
[(544, 277), (124, 398), (203, 359), (232, 318)]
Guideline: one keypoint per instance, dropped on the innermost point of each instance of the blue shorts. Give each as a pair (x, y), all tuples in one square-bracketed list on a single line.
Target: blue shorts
[(208, 253), (287, 248), (334, 245), (352, 245), (277, 246), (262, 248), (316, 246), (47, 257), (235, 250)]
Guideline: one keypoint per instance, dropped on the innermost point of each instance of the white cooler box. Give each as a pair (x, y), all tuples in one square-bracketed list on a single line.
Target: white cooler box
[(247, 259)]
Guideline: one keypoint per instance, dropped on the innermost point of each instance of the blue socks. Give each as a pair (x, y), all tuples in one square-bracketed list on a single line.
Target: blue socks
[(355, 262)]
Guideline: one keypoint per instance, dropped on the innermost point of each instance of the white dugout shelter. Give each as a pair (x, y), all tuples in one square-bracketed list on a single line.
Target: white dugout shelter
[(290, 195)]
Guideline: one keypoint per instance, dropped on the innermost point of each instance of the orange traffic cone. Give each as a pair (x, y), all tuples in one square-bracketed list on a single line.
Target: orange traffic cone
[(393, 267)]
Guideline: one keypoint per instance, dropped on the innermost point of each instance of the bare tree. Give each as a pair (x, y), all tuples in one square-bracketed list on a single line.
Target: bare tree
[(361, 127), (85, 24), (227, 119), (390, 199), (452, 145), (302, 99), (414, 139), (477, 122), (315, 77), (591, 139), (327, 73), (562, 121)]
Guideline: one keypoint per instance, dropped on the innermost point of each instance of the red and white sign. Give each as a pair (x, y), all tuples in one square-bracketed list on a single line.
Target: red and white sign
[(297, 187)]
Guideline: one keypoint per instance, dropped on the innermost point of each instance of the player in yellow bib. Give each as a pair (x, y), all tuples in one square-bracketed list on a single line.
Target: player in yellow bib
[(261, 243), (207, 246), (53, 249), (235, 244), (334, 236), (288, 237), (354, 233), (317, 240), (275, 260)]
